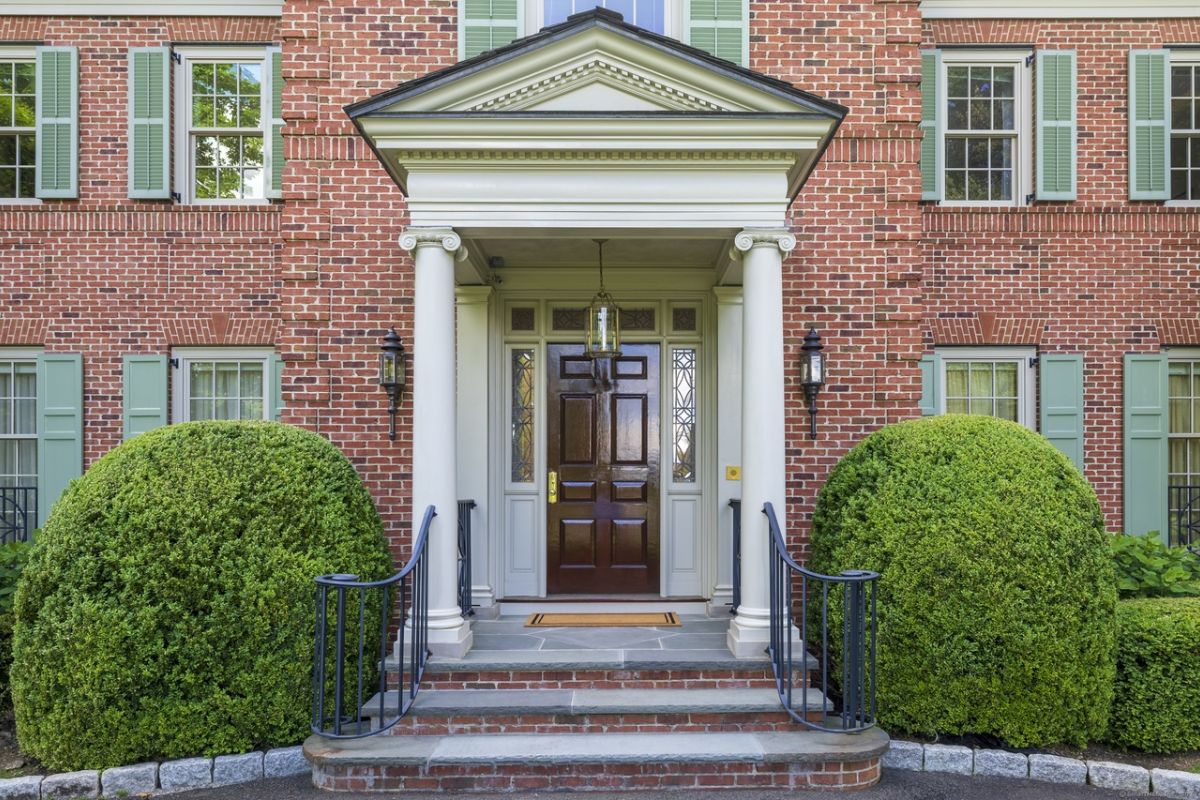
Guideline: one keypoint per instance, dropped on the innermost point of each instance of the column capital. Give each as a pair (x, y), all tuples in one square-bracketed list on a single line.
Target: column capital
[(472, 294), (750, 238), (728, 295), (445, 238)]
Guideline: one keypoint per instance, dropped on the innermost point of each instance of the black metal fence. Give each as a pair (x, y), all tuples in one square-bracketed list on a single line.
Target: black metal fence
[(736, 505), (848, 600), (1183, 505), (465, 599), (349, 655), (18, 513)]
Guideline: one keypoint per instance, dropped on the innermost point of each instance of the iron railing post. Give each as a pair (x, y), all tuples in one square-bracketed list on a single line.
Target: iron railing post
[(736, 506)]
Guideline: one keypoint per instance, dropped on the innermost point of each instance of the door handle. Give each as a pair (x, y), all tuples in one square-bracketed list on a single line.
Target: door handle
[(552, 487)]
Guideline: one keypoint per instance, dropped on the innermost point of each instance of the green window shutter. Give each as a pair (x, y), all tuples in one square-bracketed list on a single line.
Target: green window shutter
[(1060, 381), (145, 393), (277, 382), (1146, 423), (931, 381), (931, 162), (60, 426), (487, 24), (1149, 124), (57, 122), (275, 144), (149, 128), (1056, 129), (720, 27)]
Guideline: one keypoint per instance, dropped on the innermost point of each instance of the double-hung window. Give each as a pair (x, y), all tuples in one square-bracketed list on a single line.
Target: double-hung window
[(1185, 130), (994, 382), (231, 383), (18, 447), (1183, 448), (223, 125), (18, 127), (985, 137)]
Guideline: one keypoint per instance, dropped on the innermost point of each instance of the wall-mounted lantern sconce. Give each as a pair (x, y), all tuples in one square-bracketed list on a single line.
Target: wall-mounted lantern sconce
[(392, 375), (812, 376)]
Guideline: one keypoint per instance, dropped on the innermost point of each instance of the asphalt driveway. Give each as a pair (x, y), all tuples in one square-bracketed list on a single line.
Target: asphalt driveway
[(896, 785)]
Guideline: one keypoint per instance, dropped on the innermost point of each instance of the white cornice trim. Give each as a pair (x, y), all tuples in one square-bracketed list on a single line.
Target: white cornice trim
[(1059, 9), (143, 8)]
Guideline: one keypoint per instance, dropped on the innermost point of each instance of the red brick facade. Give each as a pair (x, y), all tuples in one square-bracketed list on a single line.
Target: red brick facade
[(320, 275)]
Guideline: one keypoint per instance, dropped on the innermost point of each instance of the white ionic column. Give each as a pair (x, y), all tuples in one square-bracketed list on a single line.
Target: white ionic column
[(473, 412), (435, 479), (763, 462)]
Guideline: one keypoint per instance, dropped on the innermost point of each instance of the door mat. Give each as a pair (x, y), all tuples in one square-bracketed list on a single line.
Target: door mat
[(640, 619)]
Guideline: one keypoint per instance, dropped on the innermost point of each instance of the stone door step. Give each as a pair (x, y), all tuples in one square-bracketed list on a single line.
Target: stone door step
[(506, 702), (595, 748), (558, 660)]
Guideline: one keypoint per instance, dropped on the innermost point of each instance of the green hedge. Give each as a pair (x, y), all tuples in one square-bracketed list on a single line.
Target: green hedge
[(13, 557), (1156, 706), (996, 602), (167, 609)]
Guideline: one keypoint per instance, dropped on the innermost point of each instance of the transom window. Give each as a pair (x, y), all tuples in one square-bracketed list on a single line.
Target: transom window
[(1183, 442), (18, 97), (649, 14), (223, 108), (993, 383), (1185, 131), (222, 386), (985, 144)]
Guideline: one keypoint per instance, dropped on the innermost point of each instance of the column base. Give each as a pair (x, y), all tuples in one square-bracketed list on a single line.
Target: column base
[(449, 636), (749, 634)]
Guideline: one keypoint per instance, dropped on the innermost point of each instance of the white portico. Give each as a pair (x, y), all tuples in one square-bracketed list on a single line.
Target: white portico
[(512, 164)]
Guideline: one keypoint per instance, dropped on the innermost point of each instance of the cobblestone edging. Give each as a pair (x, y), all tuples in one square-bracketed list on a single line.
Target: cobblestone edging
[(961, 760), (157, 778)]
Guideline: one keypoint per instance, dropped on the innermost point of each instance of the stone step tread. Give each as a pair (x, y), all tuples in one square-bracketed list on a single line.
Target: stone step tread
[(597, 748), (464, 702), (559, 660)]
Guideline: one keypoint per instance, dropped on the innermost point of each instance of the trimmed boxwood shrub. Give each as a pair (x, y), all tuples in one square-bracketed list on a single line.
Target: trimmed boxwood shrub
[(996, 602), (167, 608), (1156, 705), (13, 556)]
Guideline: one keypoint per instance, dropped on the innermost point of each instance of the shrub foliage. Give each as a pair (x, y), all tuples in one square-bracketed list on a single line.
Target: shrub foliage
[(997, 594), (167, 609), (1156, 706), (13, 556), (1146, 567)]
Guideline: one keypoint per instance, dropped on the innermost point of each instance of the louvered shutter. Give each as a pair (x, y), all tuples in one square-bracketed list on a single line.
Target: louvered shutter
[(1146, 421), (149, 128), (720, 27), (931, 163), (487, 24), (275, 160), (1056, 129), (57, 122), (1149, 124)]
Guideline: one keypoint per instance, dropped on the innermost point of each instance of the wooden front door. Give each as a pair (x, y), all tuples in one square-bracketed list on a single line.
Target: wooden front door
[(603, 443)]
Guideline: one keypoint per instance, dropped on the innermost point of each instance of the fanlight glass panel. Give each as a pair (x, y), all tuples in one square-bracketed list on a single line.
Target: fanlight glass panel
[(647, 14)]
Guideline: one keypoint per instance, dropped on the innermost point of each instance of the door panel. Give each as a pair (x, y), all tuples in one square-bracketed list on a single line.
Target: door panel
[(603, 440)]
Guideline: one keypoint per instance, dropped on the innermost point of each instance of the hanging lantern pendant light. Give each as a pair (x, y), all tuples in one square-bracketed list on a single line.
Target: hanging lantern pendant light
[(603, 320)]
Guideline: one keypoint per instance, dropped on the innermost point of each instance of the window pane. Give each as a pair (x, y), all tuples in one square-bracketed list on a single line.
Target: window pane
[(25, 416), (956, 380), (683, 414), (648, 14), (981, 407), (1006, 379), (956, 185), (522, 376), (227, 379), (252, 380), (956, 81), (956, 406), (200, 379), (1007, 409), (1005, 82), (8, 459), (252, 409)]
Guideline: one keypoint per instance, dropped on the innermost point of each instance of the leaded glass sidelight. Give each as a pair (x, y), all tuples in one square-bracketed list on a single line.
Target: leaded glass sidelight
[(683, 414), (522, 366)]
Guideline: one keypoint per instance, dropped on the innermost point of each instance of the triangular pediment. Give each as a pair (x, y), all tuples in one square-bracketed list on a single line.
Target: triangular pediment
[(596, 63)]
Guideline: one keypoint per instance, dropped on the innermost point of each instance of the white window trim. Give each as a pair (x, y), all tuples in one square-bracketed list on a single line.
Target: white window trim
[(533, 18), (1181, 58), (185, 185), (180, 385), (1026, 375), (19, 53), (1022, 111)]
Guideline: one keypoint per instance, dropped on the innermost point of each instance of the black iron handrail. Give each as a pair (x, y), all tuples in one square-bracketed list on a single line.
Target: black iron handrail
[(18, 513), (343, 719), (465, 599), (1183, 505), (854, 592), (736, 505)]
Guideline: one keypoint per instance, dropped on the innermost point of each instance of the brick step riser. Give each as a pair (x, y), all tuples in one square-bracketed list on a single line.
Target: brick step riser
[(831, 775), (708, 722), (598, 679)]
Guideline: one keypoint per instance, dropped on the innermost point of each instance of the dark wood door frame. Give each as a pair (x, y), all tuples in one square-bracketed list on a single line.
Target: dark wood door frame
[(603, 440)]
